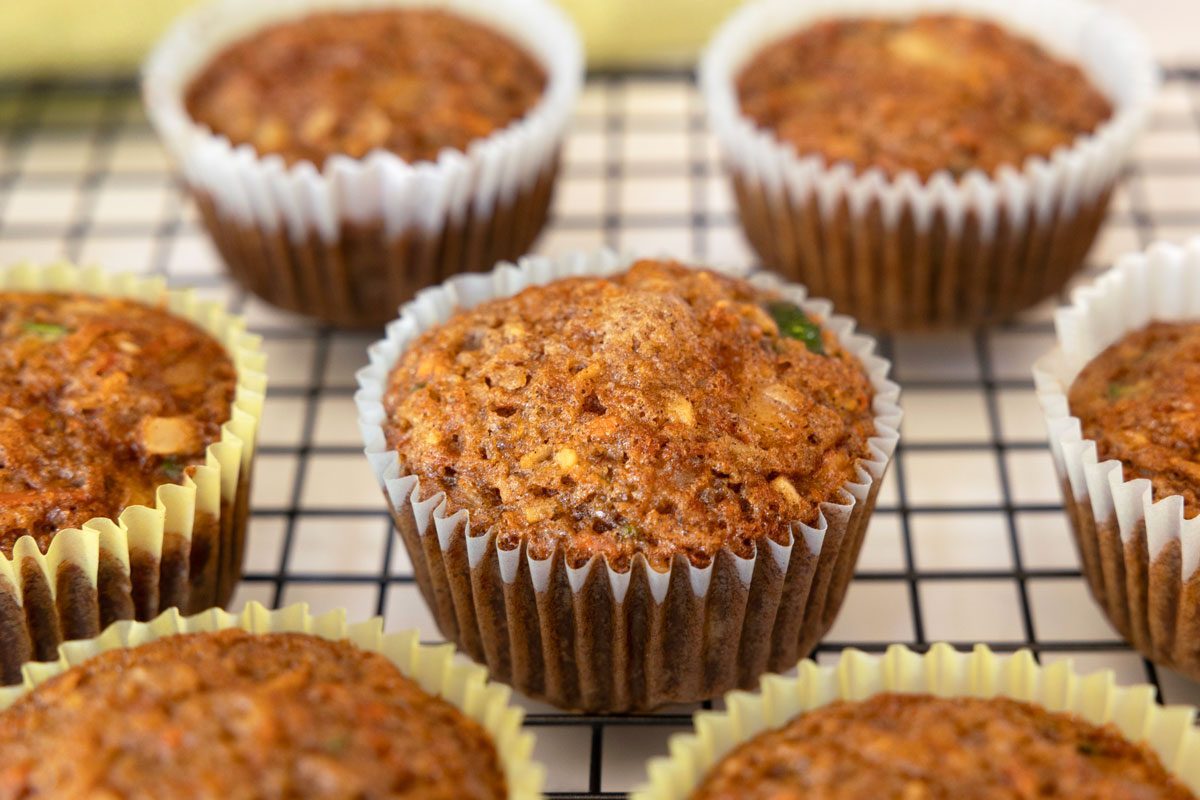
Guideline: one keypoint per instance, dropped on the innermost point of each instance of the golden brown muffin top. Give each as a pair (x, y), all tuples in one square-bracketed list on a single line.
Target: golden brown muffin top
[(239, 715), (1139, 400), (664, 411), (409, 80), (102, 400), (920, 747), (924, 94)]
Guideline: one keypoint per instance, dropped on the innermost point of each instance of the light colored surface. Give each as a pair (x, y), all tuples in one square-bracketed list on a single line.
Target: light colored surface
[(313, 490)]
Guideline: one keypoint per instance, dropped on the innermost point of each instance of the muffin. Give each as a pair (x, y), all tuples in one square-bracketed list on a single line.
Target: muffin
[(925, 170), (1119, 394), (921, 746), (129, 423), (262, 705), (941, 725), (610, 452), (344, 157)]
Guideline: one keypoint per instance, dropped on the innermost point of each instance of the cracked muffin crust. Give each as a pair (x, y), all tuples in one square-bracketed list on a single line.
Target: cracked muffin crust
[(1139, 400), (409, 80), (102, 400), (921, 747), (925, 94), (665, 411), (240, 715)]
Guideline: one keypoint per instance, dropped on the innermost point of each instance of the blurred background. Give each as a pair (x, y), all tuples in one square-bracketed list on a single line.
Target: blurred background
[(80, 37)]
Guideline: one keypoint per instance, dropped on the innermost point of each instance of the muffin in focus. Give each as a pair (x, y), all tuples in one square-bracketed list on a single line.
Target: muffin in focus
[(925, 170), (232, 713), (129, 419), (662, 426), (918, 747), (345, 157)]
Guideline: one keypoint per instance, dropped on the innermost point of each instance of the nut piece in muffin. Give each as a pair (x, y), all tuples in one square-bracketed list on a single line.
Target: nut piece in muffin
[(102, 400), (1139, 400), (664, 411), (408, 80), (234, 714), (921, 747), (925, 94)]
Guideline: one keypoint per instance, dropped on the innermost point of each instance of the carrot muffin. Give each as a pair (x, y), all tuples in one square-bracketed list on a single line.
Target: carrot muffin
[(922, 747), (1137, 400), (925, 94), (409, 80), (234, 714), (664, 412), (103, 400)]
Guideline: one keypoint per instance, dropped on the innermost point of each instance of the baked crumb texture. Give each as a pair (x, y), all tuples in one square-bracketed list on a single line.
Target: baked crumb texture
[(937, 92), (102, 400), (1139, 400), (240, 715), (410, 81), (661, 412), (920, 747)]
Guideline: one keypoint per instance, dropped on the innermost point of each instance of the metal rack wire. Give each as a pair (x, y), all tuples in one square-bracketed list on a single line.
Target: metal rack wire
[(969, 542)]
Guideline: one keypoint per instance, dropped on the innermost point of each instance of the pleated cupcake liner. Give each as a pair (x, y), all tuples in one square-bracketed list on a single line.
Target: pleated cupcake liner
[(944, 672), (434, 667), (1138, 552), (349, 242), (903, 253), (593, 637), (186, 551)]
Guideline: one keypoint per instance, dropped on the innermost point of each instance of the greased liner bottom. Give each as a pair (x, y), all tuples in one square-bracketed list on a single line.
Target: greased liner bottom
[(594, 638), (186, 551), (359, 279), (435, 668), (944, 672), (1139, 554), (903, 252), (911, 276)]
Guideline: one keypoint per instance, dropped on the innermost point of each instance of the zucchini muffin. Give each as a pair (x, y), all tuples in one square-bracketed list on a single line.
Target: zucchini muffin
[(412, 81), (1139, 401), (587, 457), (936, 92), (921, 747), (235, 714), (104, 400), (663, 412), (926, 170), (343, 158)]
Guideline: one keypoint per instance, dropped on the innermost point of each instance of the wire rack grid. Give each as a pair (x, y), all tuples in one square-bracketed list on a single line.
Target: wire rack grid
[(969, 542)]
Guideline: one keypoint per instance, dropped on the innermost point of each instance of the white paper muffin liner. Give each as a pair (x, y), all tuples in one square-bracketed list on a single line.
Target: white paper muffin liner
[(186, 550), (595, 638), (434, 667), (943, 672), (902, 252), (1139, 554), (331, 240)]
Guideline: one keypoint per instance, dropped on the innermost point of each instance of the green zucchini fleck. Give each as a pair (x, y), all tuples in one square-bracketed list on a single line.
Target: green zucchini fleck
[(173, 468), (795, 324), (1117, 390), (629, 531), (50, 331)]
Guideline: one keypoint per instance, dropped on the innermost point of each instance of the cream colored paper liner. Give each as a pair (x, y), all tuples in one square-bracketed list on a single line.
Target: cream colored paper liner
[(595, 638), (903, 252), (1139, 554), (434, 667), (329, 242), (186, 550), (944, 672)]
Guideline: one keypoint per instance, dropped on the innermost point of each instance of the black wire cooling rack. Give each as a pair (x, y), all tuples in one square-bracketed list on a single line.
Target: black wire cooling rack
[(969, 542)]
